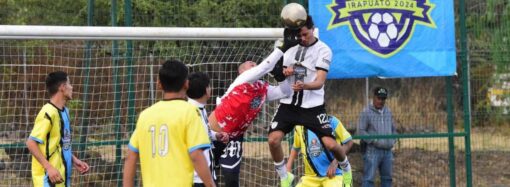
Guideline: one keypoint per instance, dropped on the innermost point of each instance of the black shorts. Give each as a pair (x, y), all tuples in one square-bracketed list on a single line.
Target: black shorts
[(316, 119), (228, 156)]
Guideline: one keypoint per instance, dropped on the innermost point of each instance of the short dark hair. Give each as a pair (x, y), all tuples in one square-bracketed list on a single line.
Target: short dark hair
[(309, 22), (173, 75), (198, 83), (54, 80)]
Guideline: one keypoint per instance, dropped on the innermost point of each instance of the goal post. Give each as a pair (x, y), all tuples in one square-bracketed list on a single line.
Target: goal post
[(110, 81), (136, 33)]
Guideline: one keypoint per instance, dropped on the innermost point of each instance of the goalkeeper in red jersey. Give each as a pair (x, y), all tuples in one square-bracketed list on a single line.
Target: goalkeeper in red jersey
[(242, 102)]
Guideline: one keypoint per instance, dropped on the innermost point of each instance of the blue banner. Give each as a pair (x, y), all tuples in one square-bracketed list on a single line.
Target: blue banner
[(387, 38)]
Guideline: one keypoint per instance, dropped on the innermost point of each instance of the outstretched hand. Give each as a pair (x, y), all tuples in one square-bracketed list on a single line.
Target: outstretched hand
[(290, 39)]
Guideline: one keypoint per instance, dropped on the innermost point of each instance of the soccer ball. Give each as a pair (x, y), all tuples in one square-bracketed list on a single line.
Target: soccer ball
[(382, 29), (293, 16)]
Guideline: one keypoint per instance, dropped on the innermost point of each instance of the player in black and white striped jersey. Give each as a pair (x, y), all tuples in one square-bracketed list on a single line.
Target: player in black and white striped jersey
[(306, 67)]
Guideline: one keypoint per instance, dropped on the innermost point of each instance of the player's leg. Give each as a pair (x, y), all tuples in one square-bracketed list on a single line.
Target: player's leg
[(231, 179), (230, 161), (280, 126), (385, 168), (370, 165), (316, 119), (333, 182)]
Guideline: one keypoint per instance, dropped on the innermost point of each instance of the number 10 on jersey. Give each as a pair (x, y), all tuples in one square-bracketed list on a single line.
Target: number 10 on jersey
[(159, 140)]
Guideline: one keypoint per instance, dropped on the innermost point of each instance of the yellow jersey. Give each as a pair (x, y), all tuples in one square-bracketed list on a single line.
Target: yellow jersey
[(52, 132), (165, 135), (316, 157)]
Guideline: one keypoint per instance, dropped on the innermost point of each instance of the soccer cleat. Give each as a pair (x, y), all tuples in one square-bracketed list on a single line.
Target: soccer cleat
[(287, 182)]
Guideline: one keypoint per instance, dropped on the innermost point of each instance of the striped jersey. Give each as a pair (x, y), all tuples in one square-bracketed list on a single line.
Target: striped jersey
[(309, 60), (52, 131)]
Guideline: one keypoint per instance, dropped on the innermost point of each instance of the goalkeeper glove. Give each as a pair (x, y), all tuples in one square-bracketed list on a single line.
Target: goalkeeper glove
[(347, 176), (277, 72), (290, 39)]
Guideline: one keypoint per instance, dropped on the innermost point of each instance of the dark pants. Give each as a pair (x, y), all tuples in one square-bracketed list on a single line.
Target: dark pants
[(230, 179), (228, 159)]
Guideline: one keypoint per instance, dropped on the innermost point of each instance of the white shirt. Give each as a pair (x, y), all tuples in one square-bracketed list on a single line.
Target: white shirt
[(313, 58), (207, 153)]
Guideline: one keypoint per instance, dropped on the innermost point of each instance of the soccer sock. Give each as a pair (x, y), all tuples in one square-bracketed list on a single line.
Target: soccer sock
[(345, 165), (281, 169)]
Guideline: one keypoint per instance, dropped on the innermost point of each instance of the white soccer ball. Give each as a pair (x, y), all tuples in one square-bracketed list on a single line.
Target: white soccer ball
[(382, 29), (293, 15)]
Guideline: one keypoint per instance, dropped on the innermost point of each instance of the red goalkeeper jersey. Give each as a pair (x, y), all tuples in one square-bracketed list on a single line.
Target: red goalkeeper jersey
[(240, 107)]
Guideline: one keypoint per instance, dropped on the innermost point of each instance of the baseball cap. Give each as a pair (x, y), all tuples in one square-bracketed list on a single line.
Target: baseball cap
[(381, 92)]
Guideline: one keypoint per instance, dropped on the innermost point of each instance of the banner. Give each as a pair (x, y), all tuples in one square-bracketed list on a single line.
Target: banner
[(387, 38)]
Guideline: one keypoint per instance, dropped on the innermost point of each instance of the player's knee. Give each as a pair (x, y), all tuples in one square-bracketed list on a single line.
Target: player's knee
[(275, 138)]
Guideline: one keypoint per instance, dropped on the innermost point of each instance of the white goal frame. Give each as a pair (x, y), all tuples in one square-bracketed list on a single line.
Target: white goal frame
[(27, 32)]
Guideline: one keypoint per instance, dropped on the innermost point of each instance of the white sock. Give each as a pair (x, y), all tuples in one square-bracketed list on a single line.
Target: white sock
[(345, 165), (281, 169)]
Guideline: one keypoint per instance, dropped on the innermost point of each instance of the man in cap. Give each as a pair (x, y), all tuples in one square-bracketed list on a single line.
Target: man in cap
[(376, 119)]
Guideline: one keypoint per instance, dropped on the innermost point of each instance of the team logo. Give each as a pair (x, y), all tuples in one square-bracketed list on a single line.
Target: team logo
[(315, 148), (66, 140), (274, 124), (256, 102), (383, 27)]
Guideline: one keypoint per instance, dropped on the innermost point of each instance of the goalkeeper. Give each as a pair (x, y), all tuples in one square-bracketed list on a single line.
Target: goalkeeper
[(244, 98), (321, 167)]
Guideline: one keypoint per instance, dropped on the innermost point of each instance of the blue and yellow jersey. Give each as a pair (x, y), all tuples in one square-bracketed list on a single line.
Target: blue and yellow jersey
[(315, 156), (165, 134), (52, 130)]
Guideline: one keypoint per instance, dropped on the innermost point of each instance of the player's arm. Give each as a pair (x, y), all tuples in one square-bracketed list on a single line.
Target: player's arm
[(42, 126), (296, 146), (200, 164), (283, 90), (258, 71), (82, 166), (316, 84), (53, 173), (128, 178), (197, 141), (322, 67), (292, 156)]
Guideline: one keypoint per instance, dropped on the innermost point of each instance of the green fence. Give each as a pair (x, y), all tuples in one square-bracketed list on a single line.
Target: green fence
[(453, 131)]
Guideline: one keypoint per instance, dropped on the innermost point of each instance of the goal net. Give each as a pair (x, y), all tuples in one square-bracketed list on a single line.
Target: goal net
[(114, 80)]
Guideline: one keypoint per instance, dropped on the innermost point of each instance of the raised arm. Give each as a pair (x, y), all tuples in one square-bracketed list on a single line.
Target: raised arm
[(258, 71)]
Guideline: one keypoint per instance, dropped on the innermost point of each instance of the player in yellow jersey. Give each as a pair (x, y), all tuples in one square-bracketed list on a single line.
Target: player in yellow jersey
[(50, 139), (321, 168), (169, 138)]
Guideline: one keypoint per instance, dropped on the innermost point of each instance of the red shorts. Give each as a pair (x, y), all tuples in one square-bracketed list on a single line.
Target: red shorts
[(240, 107)]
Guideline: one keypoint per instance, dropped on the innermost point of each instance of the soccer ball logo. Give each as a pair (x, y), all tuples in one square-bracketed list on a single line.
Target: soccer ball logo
[(382, 29)]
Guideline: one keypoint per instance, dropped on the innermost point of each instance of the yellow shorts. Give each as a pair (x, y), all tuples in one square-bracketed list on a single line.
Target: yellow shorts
[(313, 181)]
